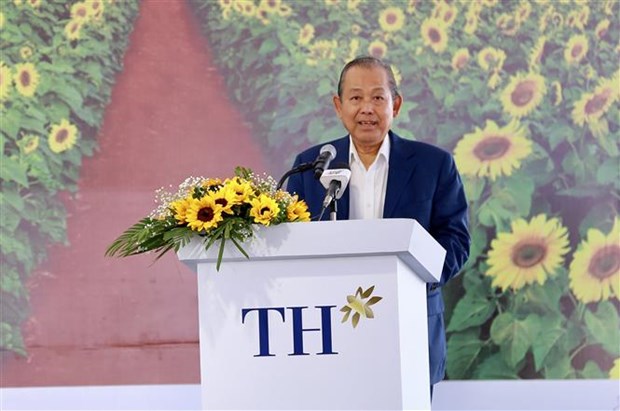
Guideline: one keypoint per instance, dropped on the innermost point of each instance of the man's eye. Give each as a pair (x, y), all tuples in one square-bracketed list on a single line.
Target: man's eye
[(355, 98), (378, 97)]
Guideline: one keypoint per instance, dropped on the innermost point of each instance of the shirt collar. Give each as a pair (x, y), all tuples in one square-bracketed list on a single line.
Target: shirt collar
[(384, 151)]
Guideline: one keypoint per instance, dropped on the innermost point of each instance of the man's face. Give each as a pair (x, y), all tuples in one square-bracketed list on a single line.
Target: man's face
[(366, 107)]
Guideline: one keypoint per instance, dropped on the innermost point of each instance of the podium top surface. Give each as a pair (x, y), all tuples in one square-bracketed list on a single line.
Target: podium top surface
[(405, 238)]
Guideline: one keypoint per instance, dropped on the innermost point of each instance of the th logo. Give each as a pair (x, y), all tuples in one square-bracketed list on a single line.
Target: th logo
[(298, 329)]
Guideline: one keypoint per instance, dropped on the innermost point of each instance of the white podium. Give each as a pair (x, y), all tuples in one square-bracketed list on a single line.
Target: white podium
[(271, 330)]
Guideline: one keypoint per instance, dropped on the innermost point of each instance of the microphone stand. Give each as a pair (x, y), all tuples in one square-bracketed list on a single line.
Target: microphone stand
[(299, 169), (333, 209)]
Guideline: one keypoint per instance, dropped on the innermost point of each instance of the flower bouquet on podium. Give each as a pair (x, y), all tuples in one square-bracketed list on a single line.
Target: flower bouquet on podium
[(216, 210)]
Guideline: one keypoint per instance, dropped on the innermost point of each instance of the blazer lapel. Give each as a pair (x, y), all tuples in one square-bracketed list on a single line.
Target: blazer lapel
[(401, 168)]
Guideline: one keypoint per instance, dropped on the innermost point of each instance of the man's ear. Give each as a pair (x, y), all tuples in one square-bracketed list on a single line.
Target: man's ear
[(337, 105), (398, 101)]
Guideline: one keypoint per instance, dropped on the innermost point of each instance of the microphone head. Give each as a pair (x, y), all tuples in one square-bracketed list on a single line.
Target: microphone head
[(328, 148), (327, 154), (341, 175)]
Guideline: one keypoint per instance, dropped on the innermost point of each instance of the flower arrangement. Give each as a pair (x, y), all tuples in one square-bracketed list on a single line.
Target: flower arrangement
[(214, 209)]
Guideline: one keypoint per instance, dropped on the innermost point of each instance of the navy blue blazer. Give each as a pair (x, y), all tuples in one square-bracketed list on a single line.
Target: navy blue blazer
[(424, 184)]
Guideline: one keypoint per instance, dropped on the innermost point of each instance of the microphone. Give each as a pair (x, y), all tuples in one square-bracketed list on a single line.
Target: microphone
[(327, 154), (335, 181)]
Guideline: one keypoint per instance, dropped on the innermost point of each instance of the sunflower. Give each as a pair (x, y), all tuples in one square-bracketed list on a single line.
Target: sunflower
[(353, 4), (377, 49), (523, 94), (491, 58), (557, 93), (225, 4), (331, 2), (594, 273), (264, 209), (29, 143), (306, 34), (25, 52), (492, 152), (434, 34), (179, 209), (248, 8), (95, 7), (614, 372), (538, 52), (576, 49), (471, 23), (34, 3), (529, 254), (203, 213), (262, 15), (73, 28), (270, 6), (297, 211), (80, 11), (494, 80), (354, 46), (391, 19), (397, 76), (412, 6), (285, 10), (5, 81), (448, 14), (460, 59), (591, 106), (601, 28), (242, 189), (26, 79), (523, 11), (226, 198), (62, 136)]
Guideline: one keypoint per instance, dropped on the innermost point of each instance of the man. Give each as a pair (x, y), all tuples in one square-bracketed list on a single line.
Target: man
[(393, 178)]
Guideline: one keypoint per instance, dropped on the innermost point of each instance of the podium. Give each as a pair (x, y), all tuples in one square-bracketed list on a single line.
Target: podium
[(272, 334)]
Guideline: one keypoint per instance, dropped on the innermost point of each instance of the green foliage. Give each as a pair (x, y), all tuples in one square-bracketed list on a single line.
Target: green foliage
[(72, 81), (534, 126)]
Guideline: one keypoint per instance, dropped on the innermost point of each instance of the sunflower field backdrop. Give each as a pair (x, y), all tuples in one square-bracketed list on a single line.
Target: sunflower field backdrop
[(525, 95), (57, 66)]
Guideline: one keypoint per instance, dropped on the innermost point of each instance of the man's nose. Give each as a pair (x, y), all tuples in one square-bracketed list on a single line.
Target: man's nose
[(367, 106)]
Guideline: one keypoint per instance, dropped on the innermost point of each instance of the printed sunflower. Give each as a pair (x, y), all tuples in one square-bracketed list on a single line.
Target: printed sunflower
[(523, 94)]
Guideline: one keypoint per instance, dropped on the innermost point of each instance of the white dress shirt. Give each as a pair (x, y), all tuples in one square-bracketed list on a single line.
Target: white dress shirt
[(367, 187)]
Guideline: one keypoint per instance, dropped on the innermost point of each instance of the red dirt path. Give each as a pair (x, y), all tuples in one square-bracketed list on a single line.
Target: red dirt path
[(97, 320)]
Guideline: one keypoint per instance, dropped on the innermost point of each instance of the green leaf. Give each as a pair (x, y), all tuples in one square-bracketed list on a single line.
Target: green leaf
[(604, 327), (464, 349), (514, 336), (609, 171), (470, 311), (546, 341), (592, 371), (12, 170), (495, 368)]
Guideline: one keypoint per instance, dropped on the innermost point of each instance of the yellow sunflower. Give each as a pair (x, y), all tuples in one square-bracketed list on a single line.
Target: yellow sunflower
[(523, 94), (434, 34), (34, 3), (242, 189), (270, 6), (471, 23), (614, 372), (25, 52), (29, 143), (449, 14), (377, 49), (73, 28), (298, 211), (285, 10), (412, 6), (26, 79), (203, 214), (494, 80), (248, 8), (594, 273), (492, 152), (529, 254), (523, 11), (262, 15), (576, 49), (354, 46), (601, 28), (460, 59), (62, 137), (538, 52), (391, 19), (179, 209), (353, 4), (80, 11), (95, 7), (264, 209), (591, 106), (226, 198), (306, 34), (490, 58), (397, 76), (5, 81)]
